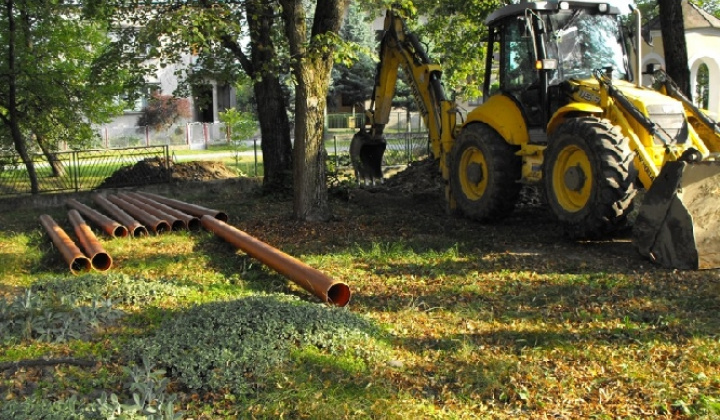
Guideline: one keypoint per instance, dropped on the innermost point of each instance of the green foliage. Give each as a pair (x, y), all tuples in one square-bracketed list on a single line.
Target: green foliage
[(148, 400), (60, 90), (117, 287), (242, 124), (238, 345), (52, 318), (40, 408), (353, 78)]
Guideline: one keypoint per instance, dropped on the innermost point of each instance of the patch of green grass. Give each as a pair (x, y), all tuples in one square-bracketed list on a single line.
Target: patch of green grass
[(449, 319)]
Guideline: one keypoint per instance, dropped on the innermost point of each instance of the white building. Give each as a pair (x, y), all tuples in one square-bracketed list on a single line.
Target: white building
[(702, 36)]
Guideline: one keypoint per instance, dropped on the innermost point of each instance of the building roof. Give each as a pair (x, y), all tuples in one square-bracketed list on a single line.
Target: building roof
[(693, 18)]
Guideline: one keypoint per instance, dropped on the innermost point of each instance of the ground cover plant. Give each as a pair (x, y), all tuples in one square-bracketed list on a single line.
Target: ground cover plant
[(449, 319)]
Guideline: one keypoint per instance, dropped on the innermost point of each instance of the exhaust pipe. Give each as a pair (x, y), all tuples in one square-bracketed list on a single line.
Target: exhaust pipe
[(310, 279), (99, 259), (175, 223), (156, 224), (192, 222), (108, 225), (188, 208), (135, 227), (70, 252)]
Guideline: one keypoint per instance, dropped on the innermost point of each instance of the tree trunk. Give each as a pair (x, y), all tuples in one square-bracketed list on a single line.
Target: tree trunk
[(55, 164), (13, 115), (275, 131), (271, 102), (311, 67), (674, 43)]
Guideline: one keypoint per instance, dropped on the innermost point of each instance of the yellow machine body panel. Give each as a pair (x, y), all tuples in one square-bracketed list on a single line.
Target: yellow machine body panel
[(509, 122)]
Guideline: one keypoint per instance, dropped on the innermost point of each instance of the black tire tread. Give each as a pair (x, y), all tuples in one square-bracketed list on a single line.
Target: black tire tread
[(505, 167), (612, 200)]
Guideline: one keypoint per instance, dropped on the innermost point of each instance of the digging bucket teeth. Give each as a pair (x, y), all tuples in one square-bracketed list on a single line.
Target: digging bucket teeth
[(678, 225), (366, 155)]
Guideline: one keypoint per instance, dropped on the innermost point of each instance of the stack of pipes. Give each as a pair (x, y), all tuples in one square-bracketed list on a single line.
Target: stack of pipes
[(134, 214)]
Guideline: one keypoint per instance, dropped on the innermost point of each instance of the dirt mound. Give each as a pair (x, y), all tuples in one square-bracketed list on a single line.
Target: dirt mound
[(423, 179), (156, 170), (201, 171), (419, 177)]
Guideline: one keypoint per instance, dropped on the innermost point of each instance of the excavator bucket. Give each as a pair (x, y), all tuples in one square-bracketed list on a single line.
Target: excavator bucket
[(678, 225), (366, 155)]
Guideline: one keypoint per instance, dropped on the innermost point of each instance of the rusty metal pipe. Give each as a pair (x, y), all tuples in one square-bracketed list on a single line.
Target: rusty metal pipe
[(192, 222), (70, 252), (134, 226), (309, 278), (99, 259), (108, 225), (188, 208), (156, 224), (175, 223)]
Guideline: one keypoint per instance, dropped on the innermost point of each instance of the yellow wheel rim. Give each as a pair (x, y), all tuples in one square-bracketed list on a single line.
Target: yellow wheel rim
[(572, 179), (473, 173)]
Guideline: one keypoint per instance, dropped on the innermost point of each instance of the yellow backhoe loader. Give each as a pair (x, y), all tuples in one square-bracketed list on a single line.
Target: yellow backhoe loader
[(563, 110)]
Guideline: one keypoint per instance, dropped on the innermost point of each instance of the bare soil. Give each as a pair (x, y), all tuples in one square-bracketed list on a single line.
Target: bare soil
[(156, 170)]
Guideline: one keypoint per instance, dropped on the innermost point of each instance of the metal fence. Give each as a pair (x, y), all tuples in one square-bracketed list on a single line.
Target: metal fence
[(85, 170), (91, 169), (192, 135), (398, 122), (198, 136)]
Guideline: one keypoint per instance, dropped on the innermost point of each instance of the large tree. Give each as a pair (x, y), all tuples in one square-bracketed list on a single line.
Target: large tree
[(50, 91), (228, 41), (312, 63), (673, 35)]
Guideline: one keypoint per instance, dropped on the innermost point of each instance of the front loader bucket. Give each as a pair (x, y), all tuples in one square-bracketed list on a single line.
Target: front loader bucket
[(678, 225), (366, 155)]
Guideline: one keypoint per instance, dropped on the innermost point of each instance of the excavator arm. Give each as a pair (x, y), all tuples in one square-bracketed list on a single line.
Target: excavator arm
[(401, 49)]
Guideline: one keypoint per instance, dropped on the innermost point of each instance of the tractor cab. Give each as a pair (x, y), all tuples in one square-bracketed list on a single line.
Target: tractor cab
[(539, 48)]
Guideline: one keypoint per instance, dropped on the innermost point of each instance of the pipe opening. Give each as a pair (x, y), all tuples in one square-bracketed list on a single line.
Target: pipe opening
[(194, 224), (162, 227), (178, 225), (338, 294), (222, 216), (101, 261), (120, 232), (79, 264), (140, 231)]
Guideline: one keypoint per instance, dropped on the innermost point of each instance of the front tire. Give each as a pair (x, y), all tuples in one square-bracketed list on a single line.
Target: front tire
[(484, 173), (589, 175)]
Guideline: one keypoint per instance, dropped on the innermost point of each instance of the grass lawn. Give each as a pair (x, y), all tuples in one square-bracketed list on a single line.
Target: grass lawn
[(449, 319)]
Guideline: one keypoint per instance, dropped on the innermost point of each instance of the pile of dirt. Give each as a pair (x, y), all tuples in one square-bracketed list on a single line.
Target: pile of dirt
[(200, 171), (156, 170), (419, 177), (423, 179)]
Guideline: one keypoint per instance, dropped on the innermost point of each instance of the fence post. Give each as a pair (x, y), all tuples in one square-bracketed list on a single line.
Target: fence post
[(107, 137), (167, 163), (187, 134), (75, 169), (147, 136), (337, 161), (255, 154), (205, 135)]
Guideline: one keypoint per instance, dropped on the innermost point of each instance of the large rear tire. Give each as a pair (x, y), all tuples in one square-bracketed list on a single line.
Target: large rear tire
[(589, 177), (484, 173)]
